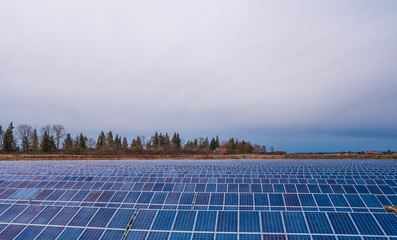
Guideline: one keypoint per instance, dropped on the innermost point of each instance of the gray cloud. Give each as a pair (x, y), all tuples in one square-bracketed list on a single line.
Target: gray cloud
[(226, 67)]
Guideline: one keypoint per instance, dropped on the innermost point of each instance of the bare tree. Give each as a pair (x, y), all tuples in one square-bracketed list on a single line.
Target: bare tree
[(48, 129), (91, 143), (24, 133), (58, 132)]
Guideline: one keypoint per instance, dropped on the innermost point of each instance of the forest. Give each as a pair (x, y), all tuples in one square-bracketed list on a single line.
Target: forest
[(54, 139)]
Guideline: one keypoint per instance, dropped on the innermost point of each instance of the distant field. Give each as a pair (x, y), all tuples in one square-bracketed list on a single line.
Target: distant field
[(5, 157)]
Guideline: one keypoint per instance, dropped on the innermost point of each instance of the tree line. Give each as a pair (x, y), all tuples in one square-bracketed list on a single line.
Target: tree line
[(54, 139)]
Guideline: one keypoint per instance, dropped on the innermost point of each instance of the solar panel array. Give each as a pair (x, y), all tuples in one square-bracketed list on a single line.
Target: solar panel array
[(199, 199)]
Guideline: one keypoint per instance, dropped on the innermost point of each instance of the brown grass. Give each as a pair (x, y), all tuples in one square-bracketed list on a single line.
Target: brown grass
[(7, 157)]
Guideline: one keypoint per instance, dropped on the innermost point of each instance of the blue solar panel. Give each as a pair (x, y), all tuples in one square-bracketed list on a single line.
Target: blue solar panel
[(64, 216), (30, 232), (28, 214), (164, 220), (272, 222), (184, 221), (121, 218), (91, 234), (388, 222), (294, 222), (227, 221), (157, 235), (11, 213), (203, 236), (307, 200), (136, 235), (366, 224), (70, 233), (82, 218), (144, 219), (231, 199), (102, 217), (226, 236), (276, 200), (180, 236), (318, 222), (249, 222), (263, 197)]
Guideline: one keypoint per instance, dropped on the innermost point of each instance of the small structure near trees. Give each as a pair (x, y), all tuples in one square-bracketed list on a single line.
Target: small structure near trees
[(220, 151)]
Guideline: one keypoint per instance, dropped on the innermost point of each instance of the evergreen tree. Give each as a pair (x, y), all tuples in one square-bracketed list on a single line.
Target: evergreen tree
[(109, 139), (117, 141), (47, 144), (176, 140), (156, 140), (218, 144), (125, 143), (101, 140), (9, 144), (137, 145), (35, 142), (213, 144), (82, 141), (68, 142)]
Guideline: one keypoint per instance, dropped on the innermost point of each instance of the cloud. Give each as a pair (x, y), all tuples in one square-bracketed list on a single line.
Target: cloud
[(201, 67)]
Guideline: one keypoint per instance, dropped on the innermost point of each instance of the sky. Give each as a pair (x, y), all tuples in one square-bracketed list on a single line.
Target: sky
[(302, 76)]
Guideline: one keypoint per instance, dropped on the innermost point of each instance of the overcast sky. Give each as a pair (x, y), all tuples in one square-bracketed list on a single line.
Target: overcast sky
[(298, 75)]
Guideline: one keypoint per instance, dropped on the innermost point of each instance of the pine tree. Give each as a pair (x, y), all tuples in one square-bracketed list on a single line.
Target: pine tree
[(68, 142), (156, 140), (101, 140), (213, 144), (109, 139), (47, 144), (125, 143), (35, 142), (117, 141), (218, 144), (9, 144), (136, 145), (82, 141), (176, 140)]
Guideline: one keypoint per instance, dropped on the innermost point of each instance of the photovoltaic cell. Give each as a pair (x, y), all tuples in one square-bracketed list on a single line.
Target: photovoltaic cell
[(272, 222), (249, 221), (294, 222), (144, 219), (164, 220), (388, 222), (366, 224), (227, 221), (184, 221), (318, 222)]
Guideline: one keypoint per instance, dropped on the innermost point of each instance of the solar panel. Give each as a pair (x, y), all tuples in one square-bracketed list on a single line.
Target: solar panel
[(244, 199), (366, 224), (164, 220), (294, 222), (249, 221), (318, 222), (184, 221), (272, 222), (227, 221)]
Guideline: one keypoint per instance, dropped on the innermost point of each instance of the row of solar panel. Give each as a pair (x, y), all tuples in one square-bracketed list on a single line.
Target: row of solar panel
[(66, 216), (201, 207), (267, 222), (221, 221), (22, 232), (202, 187), (224, 179), (188, 198), (226, 222)]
